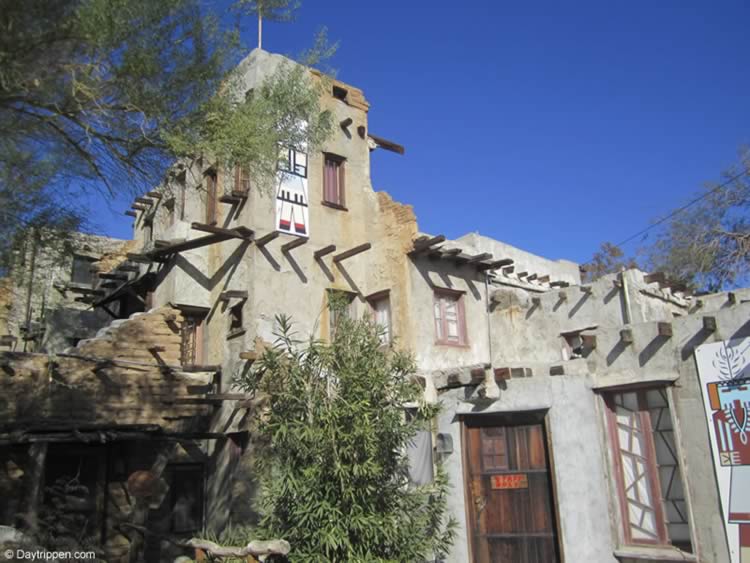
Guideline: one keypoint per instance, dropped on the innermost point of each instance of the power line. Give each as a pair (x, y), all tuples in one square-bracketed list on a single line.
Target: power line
[(684, 207)]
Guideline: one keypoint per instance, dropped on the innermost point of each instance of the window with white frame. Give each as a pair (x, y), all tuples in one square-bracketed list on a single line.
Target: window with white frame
[(646, 467)]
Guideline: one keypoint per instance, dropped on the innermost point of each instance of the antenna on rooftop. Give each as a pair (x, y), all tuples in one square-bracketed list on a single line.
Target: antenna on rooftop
[(272, 10)]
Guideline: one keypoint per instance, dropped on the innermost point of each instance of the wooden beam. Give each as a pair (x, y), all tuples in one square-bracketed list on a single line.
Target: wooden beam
[(532, 277), (497, 264), (352, 252), (709, 324), (233, 294), (543, 279), (559, 283), (387, 145), (522, 274), (144, 201), (268, 237), (318, 254), (133, 257), (154, 194), (250, 356), (161, 253), (424, 243), (478, 257), (139, 207), (451, 252), (664, 329), (508, 270), (732, 298), (131, 213), (298, 241), (239, 232)]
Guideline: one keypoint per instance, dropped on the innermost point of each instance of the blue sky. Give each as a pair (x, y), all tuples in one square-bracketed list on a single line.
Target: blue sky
[(553, 126)]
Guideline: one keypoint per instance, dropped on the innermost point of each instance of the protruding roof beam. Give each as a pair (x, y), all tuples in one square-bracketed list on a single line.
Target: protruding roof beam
[(498, 264), (387, 145), (268, 237), (238, 232), (423, 243), (318, 254), (352, 252), (298, 241)]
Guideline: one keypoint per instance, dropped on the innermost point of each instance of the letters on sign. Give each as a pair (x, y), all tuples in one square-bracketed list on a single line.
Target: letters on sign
[(516, 481)]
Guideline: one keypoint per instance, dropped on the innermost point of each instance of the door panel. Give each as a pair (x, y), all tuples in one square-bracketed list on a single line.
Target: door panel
[(509, 492)]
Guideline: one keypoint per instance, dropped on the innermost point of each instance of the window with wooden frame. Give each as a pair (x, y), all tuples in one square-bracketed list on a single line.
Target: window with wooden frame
[(450, 321), (340, 305), (334, 181), (241, 180), (380, 305), (193, 349), (81, 272), (211, 182), (649, 483)]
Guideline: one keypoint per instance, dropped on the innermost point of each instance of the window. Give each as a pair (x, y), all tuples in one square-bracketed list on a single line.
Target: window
[(339, 93), (649, 482), (186, 497), (340, 305), (235, 317), (81, 273), (450, 325), (211, 191), (193, 345), (241, 180), (380, 304), (333, 181), (181, 187)]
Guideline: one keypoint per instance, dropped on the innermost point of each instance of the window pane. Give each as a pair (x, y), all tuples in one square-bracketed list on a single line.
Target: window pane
[(636, 479)]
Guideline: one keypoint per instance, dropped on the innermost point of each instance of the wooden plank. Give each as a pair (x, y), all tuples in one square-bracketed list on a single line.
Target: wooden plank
[(239, 232), (387, 145), (626, 336), (250, 356), (479, 257), (139, 207), (559, 283), (154, 194), (233, 294), (324, 251), (423, 243), (130, 213), (532, 277), (352, 252), (543, 279), (497, 264), (268, 237), (144, 201), (113, 276), (134, 257), (298, 241)]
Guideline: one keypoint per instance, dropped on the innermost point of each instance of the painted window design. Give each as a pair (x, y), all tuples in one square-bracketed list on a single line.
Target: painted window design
[(649, 482), (333, 180), (450, 325), (291, 194)]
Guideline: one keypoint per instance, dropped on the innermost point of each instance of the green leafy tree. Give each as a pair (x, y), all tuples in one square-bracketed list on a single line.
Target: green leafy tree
[(106, 94), (706, 244), (332, 450)]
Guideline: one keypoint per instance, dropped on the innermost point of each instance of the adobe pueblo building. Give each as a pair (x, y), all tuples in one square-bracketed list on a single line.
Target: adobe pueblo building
[(573, 425)]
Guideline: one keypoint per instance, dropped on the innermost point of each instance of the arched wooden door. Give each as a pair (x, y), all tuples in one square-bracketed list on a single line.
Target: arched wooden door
[(509, 492)]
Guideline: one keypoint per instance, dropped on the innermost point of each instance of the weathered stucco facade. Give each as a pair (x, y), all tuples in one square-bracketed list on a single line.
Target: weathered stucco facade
[(503, 339)]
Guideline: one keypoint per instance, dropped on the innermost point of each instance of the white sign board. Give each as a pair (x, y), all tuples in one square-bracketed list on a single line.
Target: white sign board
[(724, 373)]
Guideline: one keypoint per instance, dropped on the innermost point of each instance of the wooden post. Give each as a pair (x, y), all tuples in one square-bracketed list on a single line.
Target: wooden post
[(34, 484)]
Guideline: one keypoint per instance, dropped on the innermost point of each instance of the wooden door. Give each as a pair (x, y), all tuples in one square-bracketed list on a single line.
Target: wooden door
[(509, 491)]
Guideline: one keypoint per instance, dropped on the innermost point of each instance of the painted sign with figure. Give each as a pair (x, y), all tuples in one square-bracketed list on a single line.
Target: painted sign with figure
[(291, 193), (724, 373)]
